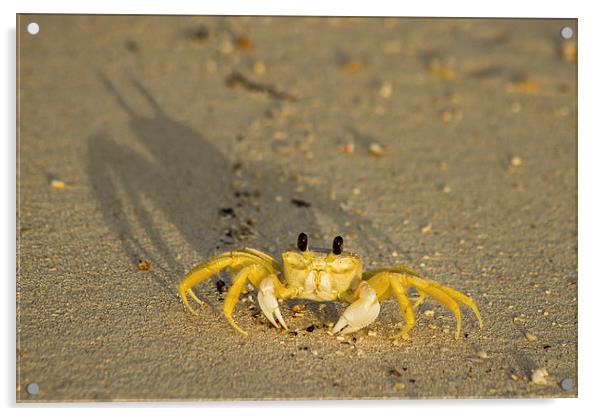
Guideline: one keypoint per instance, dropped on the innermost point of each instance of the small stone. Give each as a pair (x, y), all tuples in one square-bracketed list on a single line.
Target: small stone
[(340, 338), (56, 184), (399, 386), (372, 333), (539, 377), (516, 161), (244, 43), (356, 191), (426, 228), (259, 68), (429, 312), (446, 189), (530, 336), (376, 149), (482, 355), (347, 147), (298, 307), (143, 265), (527, 85), (569, 51), (440, 70), (386, 90), (352, 67)]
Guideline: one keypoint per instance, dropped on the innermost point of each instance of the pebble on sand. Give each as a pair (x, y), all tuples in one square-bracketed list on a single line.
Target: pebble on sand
[(386, 90), (426, 228), (399, 386), (530, 336), (376, 149), (57, 184), (440, 70), (143, 265), (298, 307), (516, 161), (539, 377), (244, 43), (352, 67), (347, 147)]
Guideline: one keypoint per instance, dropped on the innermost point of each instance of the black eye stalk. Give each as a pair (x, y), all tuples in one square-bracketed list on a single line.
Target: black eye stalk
[(302, 242), (337, 245)]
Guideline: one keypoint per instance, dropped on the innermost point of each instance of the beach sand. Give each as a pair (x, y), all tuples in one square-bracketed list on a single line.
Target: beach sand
[(445, 144)]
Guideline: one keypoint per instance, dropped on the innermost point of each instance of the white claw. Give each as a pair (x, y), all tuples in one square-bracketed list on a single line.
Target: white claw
[(269, 304), (360, 313)]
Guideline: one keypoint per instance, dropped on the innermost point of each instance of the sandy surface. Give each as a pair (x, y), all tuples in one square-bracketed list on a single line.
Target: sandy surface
[(136, 133)]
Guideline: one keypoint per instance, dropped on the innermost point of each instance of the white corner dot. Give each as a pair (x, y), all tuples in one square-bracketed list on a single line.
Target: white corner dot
[(32, 388), (33, 28), (566, 32)]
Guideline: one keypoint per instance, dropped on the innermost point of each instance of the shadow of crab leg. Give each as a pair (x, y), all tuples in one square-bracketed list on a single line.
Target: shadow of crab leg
[(440, 296), (249, 273), (462, 298)]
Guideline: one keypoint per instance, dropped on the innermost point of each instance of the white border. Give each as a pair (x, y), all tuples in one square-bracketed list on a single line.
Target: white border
[(590, 211)]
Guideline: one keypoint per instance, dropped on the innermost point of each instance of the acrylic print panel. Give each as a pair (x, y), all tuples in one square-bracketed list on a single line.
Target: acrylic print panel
[(149, 144)]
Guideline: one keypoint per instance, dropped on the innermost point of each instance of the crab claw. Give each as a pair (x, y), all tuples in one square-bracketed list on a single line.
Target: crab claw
[(269, 303), (360, 313)]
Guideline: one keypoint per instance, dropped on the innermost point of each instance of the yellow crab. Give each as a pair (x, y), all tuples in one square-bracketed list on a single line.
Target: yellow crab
[(322, 275)]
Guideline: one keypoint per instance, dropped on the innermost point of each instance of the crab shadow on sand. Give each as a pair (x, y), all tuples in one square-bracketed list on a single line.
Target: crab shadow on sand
[(175, 173)]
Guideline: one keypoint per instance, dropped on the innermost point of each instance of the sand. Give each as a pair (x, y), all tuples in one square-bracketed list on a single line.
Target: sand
[(448, 145)]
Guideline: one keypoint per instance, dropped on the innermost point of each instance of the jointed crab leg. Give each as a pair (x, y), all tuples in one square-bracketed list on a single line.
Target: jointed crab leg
[(398, 279), (452, 293), (404, 304), (249, 273), (233, 259)]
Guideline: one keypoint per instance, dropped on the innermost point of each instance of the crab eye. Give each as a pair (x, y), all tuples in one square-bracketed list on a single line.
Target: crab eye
[(302, 242), (337, 245)]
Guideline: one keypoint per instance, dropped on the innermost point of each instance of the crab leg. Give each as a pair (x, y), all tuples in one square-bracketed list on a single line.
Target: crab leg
[(406, 308), (246, 274), (361, 312), (440, 296), (234, 259), (198, 274), (454, 294), (386, 284)]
